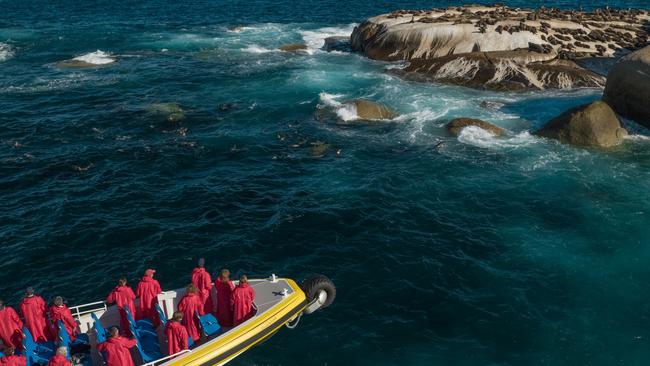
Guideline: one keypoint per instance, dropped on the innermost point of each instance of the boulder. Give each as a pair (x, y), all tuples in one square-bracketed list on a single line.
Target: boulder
[(593, 125), (455, 126), (337, 43), (369, 110), (293, 47), (628, 87)]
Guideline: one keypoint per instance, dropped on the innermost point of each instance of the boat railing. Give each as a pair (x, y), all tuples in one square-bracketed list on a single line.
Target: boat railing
[(92, 307), (160, 361)]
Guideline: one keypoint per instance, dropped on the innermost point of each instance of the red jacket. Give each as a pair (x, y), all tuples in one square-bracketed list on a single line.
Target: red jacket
[(242, 303), (177, 338), (13, 360), (122, 296), (224, 295), (63, 314), (59, 360), (148, 290), (201, 279), (189, 305), (116, 351), (11, 328), (35, 313)]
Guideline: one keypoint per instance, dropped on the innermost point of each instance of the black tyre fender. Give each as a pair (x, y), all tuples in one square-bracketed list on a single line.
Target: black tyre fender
[(313, 285)]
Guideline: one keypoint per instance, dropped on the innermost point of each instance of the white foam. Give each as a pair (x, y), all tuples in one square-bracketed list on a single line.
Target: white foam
[(96, 58), (643, 138), (474, 135), (345, 111), (6, 52), (253, 48), (315, 39)]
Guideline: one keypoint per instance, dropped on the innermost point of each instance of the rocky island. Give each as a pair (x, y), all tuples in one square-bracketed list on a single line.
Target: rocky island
[(502, 48)]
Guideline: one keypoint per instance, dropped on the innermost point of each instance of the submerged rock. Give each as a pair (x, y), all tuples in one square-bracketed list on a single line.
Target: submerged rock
[(92, 59), (293, 47), (318, 149), (171, 111), (455, 126), (593, 125), (369, 110), (628, 87)]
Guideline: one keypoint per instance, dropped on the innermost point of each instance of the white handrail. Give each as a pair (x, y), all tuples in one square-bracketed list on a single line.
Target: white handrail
[(77, 312), (156, 362)]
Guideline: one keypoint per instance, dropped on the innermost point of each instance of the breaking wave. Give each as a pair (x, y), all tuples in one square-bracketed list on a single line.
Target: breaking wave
[(96, 58), (476, 136), (6, 52), (315, 38)]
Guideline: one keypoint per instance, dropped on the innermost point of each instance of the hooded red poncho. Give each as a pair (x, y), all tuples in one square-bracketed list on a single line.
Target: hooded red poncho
[(176, 337), (35, 313), (190, 303), (148, 290), (224, 296), (63, 314), (11, 332), (13, 360), (242, 303), (201, 279), (59, 360), (123, 297), (116, 351)]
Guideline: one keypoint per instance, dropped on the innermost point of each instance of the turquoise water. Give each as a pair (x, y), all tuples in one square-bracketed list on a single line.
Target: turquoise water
[(446, 251)]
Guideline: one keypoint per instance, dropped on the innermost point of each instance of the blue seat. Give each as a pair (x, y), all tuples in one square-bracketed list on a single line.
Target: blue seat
[(100, 332), (35, 353), (146, 339), (209, 324), (161, 314)]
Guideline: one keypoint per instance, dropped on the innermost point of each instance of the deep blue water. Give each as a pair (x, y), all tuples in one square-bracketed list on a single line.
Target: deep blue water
[(476, 251)]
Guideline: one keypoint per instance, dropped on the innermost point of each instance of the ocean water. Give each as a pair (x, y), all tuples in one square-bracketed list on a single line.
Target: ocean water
[(445, 251)]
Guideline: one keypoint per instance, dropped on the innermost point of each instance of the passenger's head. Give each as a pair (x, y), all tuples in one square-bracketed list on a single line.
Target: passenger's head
[(178, 316), (225, 274), (150, 272), (201, 263), (243, 279), (191, 289), (114, 332), (62, 351), (29, 292), (121, 281), (9, 351), (58, 301)]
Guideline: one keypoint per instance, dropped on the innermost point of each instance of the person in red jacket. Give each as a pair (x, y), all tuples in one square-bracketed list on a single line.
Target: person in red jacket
[(201, 279), (115, 349), (12, 359), (123, 297), (60, 311), (189, 305), (34, 311), (148, 290), (60, 358), (224, 287), (242, 301), (11, 326), (177, 338)]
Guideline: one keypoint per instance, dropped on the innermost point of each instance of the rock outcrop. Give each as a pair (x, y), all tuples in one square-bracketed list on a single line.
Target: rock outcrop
[(628, 87), (293, 47), (466, 40), (592, 125), (369, 110), (455, 126), (505, 70)]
